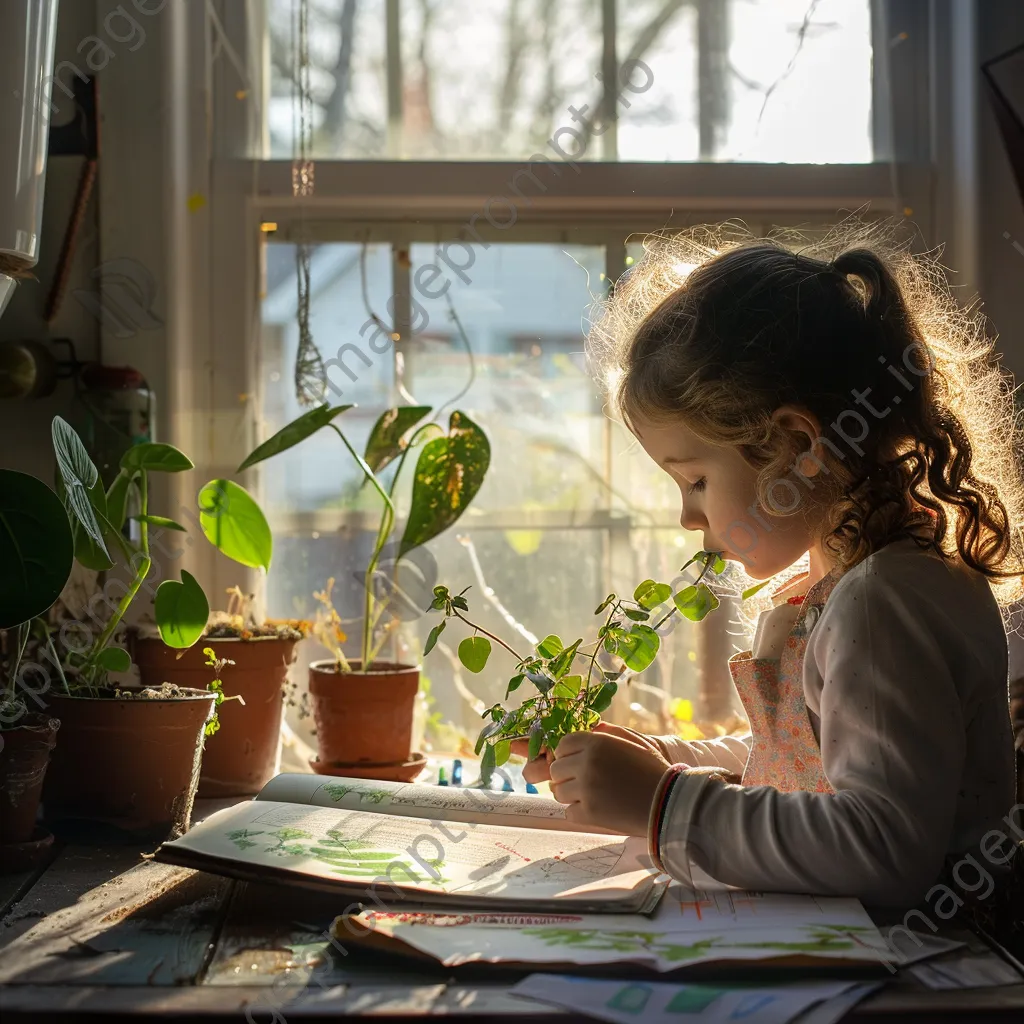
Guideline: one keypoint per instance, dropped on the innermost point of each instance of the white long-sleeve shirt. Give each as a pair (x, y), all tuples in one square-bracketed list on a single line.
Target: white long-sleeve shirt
[(906, 672)]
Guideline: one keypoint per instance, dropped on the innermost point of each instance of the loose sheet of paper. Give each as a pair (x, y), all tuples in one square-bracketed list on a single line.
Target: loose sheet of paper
[(656, 1002), (593, 939)]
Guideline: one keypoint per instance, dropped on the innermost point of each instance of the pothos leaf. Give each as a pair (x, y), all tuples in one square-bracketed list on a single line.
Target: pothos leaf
[(449, 472), (502, 752), (385, 441), (291, 434), (114, 659)]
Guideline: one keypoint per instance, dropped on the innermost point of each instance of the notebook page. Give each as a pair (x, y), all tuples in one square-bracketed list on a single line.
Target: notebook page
[(475, 861), (410, 799)]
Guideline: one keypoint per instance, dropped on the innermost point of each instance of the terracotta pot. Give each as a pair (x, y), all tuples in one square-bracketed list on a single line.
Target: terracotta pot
[(133, 764), (245, 753), (24, 755), (363, 716)]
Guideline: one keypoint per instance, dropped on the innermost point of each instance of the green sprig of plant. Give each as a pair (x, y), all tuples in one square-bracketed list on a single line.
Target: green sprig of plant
[(569, 701), (216, 686)]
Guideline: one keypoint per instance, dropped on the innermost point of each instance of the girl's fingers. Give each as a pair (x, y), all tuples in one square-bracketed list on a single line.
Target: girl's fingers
[(521, 748), (566, 792), (537, 770), (564, 768)]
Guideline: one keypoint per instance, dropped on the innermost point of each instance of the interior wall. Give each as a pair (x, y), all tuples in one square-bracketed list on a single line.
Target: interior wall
[(1000, 28), (25, 424)]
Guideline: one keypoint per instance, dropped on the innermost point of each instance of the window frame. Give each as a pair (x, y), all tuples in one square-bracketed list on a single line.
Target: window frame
[(600, 201)]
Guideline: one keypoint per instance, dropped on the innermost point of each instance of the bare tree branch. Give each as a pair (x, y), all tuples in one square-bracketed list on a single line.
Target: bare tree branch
[(334, 107)]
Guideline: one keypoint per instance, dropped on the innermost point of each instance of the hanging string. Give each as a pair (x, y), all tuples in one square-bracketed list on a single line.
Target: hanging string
[(310, 382)]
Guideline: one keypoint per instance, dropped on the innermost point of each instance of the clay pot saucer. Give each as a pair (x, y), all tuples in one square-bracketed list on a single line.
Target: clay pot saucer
[(397, 771)]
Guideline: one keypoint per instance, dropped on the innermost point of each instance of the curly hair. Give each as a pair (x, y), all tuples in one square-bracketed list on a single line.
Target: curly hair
[(719, 329)]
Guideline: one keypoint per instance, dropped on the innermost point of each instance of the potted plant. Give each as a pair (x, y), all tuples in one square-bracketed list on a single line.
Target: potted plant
[(36, 556), (129, 757), (567, 700), (246, 754), (363, 707)]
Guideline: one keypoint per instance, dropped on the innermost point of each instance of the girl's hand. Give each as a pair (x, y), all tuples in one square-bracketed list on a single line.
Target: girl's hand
[(607, 780), (539, 769)]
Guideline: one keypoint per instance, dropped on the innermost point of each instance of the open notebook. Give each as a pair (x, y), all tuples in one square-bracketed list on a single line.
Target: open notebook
[(390, 843)]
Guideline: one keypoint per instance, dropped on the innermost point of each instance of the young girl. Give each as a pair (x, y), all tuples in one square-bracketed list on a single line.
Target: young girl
[(839, 405)]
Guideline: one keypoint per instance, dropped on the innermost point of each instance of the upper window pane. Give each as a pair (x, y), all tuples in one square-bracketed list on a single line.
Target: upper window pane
[(747, 80)]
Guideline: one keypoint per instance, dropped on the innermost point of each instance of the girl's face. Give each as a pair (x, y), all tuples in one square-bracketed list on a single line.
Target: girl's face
[(719, 494)]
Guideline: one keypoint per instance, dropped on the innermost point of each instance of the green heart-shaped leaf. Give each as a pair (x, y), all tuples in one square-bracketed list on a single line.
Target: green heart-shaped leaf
[(385, 441), (79, 476), (639, 647), (36, 547), (181, 611), (449, 473), (296, 431), (114, 659), (696, 602), (234, 524), (550, 646), (650, 594), (159, 458), (474, 652)]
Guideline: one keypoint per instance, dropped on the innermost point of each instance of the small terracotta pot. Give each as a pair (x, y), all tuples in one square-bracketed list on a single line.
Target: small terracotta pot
[(363, 716), (130, 763), (24, 755), (245, 753)]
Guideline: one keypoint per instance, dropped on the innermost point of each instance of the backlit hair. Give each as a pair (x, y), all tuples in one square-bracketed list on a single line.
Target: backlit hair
[(719, 329)]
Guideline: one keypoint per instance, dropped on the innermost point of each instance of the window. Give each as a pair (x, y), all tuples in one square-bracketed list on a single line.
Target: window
[(427, 124), (778, 81)]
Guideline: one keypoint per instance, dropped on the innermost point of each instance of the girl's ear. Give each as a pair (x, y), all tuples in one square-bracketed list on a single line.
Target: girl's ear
[(806, 428)]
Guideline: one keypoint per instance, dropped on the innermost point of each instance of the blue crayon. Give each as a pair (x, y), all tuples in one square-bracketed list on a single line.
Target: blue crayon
[(456, 772), (531, 788), (507, 787)]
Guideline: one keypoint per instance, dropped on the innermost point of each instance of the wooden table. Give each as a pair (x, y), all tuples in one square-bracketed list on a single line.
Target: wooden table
[(100, 930)]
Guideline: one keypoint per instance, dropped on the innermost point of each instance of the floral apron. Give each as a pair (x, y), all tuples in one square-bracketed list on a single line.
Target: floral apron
[(784, 750)]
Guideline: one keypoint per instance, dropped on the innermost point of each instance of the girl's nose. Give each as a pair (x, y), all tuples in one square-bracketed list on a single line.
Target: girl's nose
[(692, 518)]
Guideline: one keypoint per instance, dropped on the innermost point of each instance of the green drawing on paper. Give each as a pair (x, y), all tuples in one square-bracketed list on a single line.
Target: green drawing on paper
[(819, 939), (631, 999), (693, 999), (338, 790), (375, 796), (639, 943), (352, 858), (284, 847), (242, 837)]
